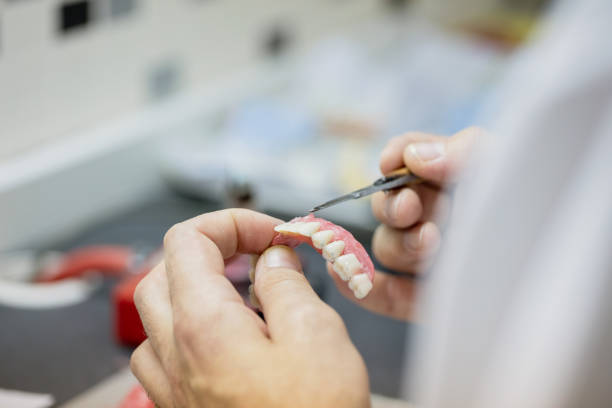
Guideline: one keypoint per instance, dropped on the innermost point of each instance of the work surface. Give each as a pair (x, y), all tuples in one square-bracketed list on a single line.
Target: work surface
[(67, 350)]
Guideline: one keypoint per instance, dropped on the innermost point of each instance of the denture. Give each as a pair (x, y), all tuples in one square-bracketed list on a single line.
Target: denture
[(348, 257)]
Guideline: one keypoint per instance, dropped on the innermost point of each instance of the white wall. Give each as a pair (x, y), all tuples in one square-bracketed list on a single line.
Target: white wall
[(52, 85)]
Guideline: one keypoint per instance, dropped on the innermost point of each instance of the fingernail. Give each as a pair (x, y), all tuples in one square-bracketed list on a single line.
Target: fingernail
[(392, 206), (413, 239), (387, 151), (281, 256), (426, 151)]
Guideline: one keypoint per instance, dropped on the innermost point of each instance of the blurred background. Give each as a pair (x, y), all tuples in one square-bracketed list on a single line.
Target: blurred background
[(119, 118)]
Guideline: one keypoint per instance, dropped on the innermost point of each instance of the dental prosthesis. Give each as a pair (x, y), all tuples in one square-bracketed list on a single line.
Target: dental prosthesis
[(349, 259)]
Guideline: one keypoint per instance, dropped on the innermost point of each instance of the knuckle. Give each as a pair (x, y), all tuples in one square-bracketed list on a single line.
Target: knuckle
[(221, 389), (441, 210), (376, 242), (316, 317), (330, 318), (136, 360), (378, 202), (431, 240), (395, 140), (381, 243), (188, 327), (473, 130), (382, 254), (462, 142), (176, 232), (389, 250), (409, 136), (405, 209), (183, 328), (306, 314), (140, 292)]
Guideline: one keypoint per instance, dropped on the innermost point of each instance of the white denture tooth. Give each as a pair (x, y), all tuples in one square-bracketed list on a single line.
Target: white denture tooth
[(308, 228), (253, 298), (288, 227), (347, 266), (333, 250), (340, 272), (300, 228), (322, 238), (360, 285), (252, 265), (282, 227)]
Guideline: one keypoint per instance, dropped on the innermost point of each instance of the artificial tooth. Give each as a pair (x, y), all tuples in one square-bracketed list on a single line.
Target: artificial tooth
[(252, 265), (322, 238), (360, 285), (253, 298), (288, 227), (301, 228), (309, 228), (252, 275), (347, 266), (282, 227), (333, 250)]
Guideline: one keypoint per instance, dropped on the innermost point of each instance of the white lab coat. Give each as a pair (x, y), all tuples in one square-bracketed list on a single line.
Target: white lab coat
[(518, 311)]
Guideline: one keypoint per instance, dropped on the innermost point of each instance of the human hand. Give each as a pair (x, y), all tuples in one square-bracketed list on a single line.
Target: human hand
[(412, 218), (206, 348)]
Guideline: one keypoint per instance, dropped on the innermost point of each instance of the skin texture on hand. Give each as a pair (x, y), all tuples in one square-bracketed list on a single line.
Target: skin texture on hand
[(412, 218), (206, 348)]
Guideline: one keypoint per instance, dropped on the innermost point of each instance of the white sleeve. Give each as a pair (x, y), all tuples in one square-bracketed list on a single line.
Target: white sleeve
[(518, 309)]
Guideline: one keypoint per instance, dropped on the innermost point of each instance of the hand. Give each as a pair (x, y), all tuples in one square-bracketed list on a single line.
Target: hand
[(412, 217), (206, 348)]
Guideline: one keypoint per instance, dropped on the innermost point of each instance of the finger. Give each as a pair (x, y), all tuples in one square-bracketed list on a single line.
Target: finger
[(147, 369), (391, 296), (405, 250), (403, 208), (201, 296), (152, 301), (391, 158), (440, 160), (436, 204), (292, 309), (397, 209)]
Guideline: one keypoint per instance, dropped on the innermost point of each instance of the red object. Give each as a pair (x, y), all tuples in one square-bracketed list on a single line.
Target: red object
[(109, 260), (128, 327), (137, 398)]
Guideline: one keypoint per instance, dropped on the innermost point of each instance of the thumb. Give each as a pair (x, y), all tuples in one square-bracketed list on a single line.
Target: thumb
[(285, 296), (441, 159)]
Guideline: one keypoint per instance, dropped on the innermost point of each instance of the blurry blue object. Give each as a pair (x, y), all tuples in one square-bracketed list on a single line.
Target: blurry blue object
[(271, 125), (465, 114)]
